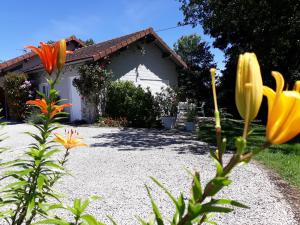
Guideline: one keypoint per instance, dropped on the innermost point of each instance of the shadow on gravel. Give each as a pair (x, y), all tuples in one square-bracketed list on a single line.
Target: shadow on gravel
[(147, 139)]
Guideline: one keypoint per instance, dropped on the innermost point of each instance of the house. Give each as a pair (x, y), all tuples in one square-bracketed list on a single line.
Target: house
[(141, 57)]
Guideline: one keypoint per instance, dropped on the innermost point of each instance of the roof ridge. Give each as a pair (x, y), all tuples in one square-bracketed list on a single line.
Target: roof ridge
[(104, 49), (114, 39)]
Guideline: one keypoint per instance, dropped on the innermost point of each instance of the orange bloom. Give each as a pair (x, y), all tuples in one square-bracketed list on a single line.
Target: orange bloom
[(69, 142), (52, 55), (48, 109), (283, 111)]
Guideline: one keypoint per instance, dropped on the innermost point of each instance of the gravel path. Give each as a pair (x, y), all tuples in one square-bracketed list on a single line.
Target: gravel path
[(119, 163)]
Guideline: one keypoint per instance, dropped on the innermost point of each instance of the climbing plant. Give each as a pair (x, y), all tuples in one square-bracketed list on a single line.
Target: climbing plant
[(92, 84)]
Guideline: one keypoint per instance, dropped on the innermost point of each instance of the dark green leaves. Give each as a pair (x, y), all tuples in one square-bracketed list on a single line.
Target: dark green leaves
[(158, 216)]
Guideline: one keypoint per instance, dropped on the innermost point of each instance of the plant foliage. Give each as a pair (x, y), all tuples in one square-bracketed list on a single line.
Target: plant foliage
[(92, 83), (137, 105), (18, 89), (268, 28)]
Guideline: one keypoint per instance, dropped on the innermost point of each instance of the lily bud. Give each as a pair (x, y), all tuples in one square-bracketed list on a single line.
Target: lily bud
[(297, 86), (249, 86), (61, 54)]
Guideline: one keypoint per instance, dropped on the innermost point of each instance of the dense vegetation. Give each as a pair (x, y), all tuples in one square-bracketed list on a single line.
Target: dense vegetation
[(268, 28), (18, 89), (194, 81), (133, 103)]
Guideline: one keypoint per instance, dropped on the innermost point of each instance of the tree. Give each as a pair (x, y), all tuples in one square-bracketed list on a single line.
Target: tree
[(269, 28), (88, 42), (194, 81)]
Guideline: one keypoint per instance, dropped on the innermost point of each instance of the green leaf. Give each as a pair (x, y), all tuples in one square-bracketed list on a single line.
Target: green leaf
[(84, 205), (196, 188), (167, 192), (218, 164), (218, 183), (156, 211), (228, 202), (15, 185), (50, 153), (112, 220), (40, 182), (77, 204), (207, 208), (54, 165), (144, 222), (194, 210), (89, 219), (54, 221), (30, 208)]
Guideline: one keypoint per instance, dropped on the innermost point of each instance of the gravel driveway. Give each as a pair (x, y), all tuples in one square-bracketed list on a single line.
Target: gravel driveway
[(119, 162)]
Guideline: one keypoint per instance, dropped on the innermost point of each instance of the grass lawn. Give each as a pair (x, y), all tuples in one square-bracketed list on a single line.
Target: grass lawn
[(284, 159)]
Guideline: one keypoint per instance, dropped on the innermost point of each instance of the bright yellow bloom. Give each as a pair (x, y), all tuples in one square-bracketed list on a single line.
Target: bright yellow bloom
[(62, 52), (283, 111), (249, 86), (69, 141)]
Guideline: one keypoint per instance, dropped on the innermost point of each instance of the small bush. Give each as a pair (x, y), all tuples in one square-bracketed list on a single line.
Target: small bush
[(167, 101), (18, 90), (191, 113), (124, 99)]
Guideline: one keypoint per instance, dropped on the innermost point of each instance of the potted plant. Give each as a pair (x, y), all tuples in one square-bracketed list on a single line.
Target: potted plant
[(191, 115), (167, 101)]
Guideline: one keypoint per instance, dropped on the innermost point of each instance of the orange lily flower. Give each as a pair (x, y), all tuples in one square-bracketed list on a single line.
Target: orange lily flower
[(283, 111), (51, 110), (52, 55), (69, 142)]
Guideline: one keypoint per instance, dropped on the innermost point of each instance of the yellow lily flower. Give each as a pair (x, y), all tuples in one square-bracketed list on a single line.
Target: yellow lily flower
[(283, 111), (61, 54), (69, 142), (249, 86)]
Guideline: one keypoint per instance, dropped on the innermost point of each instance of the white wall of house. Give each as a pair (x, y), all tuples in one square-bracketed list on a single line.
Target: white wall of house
[(144, 65), (66, 90)]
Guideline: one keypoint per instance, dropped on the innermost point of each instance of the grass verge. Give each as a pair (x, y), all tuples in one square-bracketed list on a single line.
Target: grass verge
[(283, 159)]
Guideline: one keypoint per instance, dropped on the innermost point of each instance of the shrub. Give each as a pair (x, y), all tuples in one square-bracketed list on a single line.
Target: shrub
[(191, 113), (18, 90), (124, 99), (167, 101)]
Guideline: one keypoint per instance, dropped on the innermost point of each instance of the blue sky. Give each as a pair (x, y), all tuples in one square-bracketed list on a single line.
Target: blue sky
[(29, 22)]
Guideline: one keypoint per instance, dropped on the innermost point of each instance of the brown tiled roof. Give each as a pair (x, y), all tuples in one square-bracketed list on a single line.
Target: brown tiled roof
[(28, 55), (105, 49)]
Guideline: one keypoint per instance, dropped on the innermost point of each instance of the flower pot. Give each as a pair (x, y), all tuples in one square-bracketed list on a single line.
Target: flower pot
[(190, 126), (168, 122)]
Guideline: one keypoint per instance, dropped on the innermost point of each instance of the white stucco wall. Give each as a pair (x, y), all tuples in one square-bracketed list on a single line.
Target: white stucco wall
[(144, 67), (66, 90)]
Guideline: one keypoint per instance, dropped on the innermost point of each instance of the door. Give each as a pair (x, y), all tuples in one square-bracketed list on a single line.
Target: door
[(75, 100)]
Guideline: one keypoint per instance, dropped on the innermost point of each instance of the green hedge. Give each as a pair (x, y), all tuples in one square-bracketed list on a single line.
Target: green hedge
[(124, 99)]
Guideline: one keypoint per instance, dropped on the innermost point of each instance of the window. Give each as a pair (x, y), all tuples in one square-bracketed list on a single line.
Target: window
[(44, 88)]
